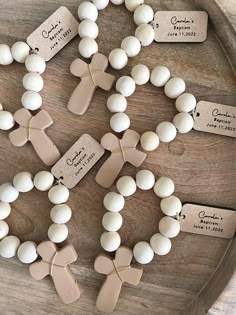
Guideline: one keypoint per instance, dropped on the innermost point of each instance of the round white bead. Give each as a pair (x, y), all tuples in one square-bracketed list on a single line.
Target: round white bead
[(125, 85), (87, 10), (6, 120), (169, 227), (20, 51), (116, 103), (33, 82), (171, 206), (101, 4), (5, 55), (5, 210), (8, 193), (164, 187), (88, 28), (131, 46), (27, 252), (57, 233), (110, 241), (140, 74), (160, 244), (126, 186), (131, 5), (58, 194), (43, 180), (160, 75), (118, 58), (1, 107), (61, 214), (117, 2), (88, 47), (166, 131), (35, 63), (4, 229), (185, 103), (174, 87), (143, 253), (119, 122), (9, 246), (112, 221), (149, 141), (183, 122), (114, 202), (31, 100), (145, 179), (23, 182), (145, 34), (143, 14)]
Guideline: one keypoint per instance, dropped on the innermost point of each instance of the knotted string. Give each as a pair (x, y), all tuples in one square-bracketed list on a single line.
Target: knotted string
[(52, 264), (122, 151), (117, 271)]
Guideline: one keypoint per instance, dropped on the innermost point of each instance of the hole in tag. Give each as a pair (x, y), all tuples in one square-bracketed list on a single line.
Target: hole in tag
[(197, 114)]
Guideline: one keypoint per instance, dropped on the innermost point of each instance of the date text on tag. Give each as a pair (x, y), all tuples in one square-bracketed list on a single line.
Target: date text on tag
[(77, 161), (54, 34), (180, 26), (208, 220), (215, 118)]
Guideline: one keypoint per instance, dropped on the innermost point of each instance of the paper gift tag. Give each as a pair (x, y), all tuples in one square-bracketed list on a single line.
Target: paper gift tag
[(180, 26), (215, 118), (54, 34), (206, 220), (76, 162)]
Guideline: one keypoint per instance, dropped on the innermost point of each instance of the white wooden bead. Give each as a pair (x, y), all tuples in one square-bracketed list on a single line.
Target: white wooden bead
[(88, 28), (166, 131), (164, 187), (43, 180), (169, 227), (143, 253), (33, 82), (112, 221), (174, 87), (35, 63), (4, 229), (118, 58), (27, 252), (5, 55), (113, 202), (31, 100), (87, 10), (8, 193), (126, 186), (149, 141), (58, 194), (20, 51), (101, 4), (145, 179), (140, 74), (88, 47), (5, 210), (131, 46), (57, 233), (61, 214), (125, 85), (119, 122), (1, 107), (143, 14), (183, 122), (117, 2), (23, 182), (145, 34), (110, 241), (6, 120), (185, 103), (160, 75), (131, 5), (160, 244), (171, 205), (116, 103), (9, 246)]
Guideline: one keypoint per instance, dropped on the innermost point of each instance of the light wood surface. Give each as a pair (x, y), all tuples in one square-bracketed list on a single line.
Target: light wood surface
[(202, 166)]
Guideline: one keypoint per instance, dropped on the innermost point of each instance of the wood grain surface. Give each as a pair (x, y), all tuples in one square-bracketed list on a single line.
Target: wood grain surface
[(202, 166)]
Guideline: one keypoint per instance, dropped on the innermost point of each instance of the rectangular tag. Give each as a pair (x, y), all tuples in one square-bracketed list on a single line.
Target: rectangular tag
[(209, 221), (215, 118), (77, 161), (180, 26), (54, 34)]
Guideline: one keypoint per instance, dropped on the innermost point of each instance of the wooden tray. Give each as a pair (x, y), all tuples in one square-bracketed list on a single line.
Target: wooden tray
[(192, 276)]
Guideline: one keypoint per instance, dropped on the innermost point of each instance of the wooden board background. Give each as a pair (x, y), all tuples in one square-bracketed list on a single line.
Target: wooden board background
[(202, 165)]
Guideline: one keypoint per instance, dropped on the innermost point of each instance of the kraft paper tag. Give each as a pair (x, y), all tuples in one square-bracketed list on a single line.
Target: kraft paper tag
[(76, 162), (54, 34), (215, 118), (180, 26), (206, 220)]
